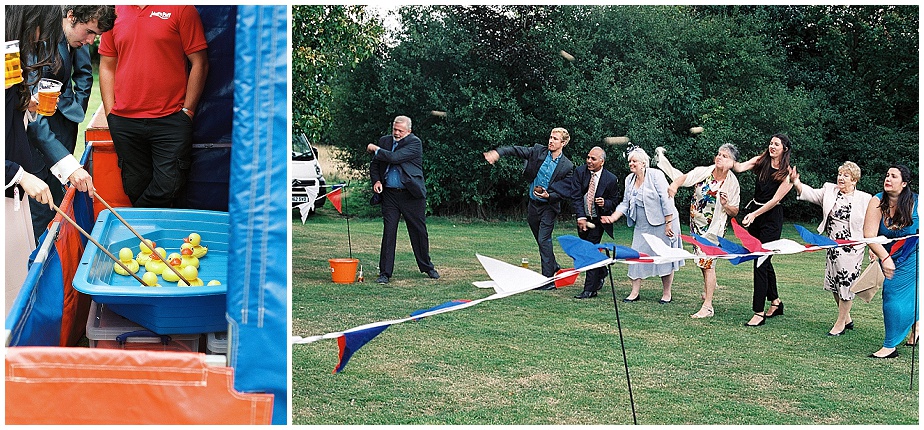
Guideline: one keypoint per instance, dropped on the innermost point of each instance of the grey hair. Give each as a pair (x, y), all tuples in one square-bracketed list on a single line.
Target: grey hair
[(639, 155), (602, 152), (731, 149), (401, 119)]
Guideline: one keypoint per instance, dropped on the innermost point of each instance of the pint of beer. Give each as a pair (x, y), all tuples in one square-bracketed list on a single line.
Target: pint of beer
[(48, 92), (13, 69)]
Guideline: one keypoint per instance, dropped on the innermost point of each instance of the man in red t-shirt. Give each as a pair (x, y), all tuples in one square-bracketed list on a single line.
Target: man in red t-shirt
[(153, 66)]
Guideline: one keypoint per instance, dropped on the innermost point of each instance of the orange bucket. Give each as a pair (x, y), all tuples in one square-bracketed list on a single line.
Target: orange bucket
[(343, 270), (566, 281)]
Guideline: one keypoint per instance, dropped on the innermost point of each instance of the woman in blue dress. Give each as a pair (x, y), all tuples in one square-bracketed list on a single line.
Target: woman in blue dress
[(893, 213)]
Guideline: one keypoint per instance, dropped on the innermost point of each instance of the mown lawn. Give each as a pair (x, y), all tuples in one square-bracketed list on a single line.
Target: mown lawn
[(543, 357)]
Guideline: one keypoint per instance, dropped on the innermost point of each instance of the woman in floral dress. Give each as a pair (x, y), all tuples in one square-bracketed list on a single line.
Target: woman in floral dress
[(843, 209)]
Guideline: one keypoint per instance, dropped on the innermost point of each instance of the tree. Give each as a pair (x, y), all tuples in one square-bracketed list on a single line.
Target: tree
[(327, 42)]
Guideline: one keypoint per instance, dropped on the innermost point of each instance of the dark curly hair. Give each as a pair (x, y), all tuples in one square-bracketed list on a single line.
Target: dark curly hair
[(103, 15), (904, 206), (22, 21)]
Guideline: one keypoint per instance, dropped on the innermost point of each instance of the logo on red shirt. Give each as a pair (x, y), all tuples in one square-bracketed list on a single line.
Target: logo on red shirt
[(161, 15)]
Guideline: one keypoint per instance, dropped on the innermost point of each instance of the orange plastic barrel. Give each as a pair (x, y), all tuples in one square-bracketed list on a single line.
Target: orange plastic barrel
[(343, 270)]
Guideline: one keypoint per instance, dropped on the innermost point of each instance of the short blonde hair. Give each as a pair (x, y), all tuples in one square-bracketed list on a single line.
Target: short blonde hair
[(851, 168), (565, 137), (639, 154)]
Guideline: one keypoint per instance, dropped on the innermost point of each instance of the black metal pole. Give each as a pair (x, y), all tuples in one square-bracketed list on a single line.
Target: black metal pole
[(622, 343)]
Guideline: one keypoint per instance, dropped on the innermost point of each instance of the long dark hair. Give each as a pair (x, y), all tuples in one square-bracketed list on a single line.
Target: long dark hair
[(763, 164), (22, 21), (904, 207)]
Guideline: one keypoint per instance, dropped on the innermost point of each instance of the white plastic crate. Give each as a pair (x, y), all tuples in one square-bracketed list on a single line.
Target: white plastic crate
[(107, 329)]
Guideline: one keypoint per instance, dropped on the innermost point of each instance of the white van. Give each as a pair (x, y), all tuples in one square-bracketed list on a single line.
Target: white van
[(306, 172)]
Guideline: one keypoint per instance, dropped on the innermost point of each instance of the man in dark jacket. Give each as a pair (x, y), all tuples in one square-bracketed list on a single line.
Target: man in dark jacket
[(594, 192), (397, 175), (54, 137), (545, 165)]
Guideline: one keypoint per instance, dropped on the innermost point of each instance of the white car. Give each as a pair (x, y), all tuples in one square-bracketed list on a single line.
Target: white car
[(306, 172)]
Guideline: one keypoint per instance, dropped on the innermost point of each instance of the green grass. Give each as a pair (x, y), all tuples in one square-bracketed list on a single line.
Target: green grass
[(543, 357), (94, 102)]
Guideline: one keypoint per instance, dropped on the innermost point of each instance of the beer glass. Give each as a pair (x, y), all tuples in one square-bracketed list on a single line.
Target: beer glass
[(13, 69), (48, 92)]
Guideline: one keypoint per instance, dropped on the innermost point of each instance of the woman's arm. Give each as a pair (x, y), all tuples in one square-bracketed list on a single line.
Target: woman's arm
[(747, 165), (871, 229), (674, 186)]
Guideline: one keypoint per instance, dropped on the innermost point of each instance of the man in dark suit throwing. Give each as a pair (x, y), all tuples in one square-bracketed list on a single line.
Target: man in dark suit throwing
[(594, 192), (397, 175), (545, 165)]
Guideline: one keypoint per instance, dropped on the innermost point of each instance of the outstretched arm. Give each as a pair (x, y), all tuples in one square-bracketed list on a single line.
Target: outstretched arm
[(747, 165), (871, 229)]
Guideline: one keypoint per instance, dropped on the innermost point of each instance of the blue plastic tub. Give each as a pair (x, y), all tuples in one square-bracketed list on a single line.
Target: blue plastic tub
[(169, 309)]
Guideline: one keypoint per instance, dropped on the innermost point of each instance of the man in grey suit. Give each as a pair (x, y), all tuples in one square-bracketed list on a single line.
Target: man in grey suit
[(54, 137), (545, 165), (397, 176)]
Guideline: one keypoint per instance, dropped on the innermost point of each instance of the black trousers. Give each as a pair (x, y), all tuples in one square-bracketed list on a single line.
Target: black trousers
[(395, 203), (154, 155), (767, 227), (541, 218), (593, 279)]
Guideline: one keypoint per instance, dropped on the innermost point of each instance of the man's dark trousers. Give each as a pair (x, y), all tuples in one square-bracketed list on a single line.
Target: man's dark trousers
[(541, 218), (593, 279), (397, 202)]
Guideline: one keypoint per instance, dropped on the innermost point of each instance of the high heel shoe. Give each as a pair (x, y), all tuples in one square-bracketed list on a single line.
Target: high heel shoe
[(779, 310), (838, 333), (848, 326), (892, 354), (763, 319)]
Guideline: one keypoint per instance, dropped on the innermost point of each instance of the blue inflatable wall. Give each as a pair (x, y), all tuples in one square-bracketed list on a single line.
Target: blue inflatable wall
[(258, 208)]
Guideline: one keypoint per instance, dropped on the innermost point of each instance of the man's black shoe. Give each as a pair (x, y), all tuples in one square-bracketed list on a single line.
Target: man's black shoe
[(586, 294), (433, 274), (382, 279), (549, 286)]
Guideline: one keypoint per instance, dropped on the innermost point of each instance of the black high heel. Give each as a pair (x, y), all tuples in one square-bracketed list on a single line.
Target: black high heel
[(848, 326), (779, 310), (763, 319)]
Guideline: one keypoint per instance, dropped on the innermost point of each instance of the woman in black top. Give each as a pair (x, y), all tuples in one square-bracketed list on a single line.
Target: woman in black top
[(765, 220)]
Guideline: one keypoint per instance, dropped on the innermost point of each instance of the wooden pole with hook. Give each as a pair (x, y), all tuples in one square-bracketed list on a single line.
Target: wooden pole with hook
[(111, 209), (84, 232)]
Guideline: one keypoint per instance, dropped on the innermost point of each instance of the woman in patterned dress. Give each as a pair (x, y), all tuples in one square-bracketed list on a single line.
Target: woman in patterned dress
[(716, 195), (843, 208)]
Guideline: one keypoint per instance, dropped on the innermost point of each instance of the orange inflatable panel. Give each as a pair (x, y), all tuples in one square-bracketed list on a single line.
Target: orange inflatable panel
[(54, 385)]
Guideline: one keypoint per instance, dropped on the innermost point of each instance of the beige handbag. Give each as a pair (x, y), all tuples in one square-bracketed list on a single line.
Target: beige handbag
[(869, 281)]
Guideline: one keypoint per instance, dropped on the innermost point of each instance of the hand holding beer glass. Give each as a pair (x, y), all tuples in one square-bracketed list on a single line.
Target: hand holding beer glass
[(48, 92), (13, 69)]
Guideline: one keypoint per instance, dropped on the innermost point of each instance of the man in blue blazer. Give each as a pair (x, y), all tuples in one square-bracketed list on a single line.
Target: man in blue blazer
[(397, 176), (545, 166), (54, 137), (589, 206)]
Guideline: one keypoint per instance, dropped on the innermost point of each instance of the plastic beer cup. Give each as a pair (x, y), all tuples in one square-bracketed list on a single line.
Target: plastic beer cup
[(13, 68), (48, 92)]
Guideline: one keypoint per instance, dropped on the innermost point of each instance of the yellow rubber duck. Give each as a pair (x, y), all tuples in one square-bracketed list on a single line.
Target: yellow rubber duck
[(145, 255), (157, 264), (213, 282), (188, 258), (195, 240), (150, 279), (175, 261), (192, 274), (125, 256)]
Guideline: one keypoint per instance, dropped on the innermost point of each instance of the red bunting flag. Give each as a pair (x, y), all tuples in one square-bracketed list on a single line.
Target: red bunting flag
[(334, 197)]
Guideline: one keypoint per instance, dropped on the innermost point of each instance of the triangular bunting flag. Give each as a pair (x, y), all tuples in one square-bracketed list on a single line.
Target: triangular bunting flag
[(350, 342), (448, 304), (335, 196), (812, 238), (749, 242)]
